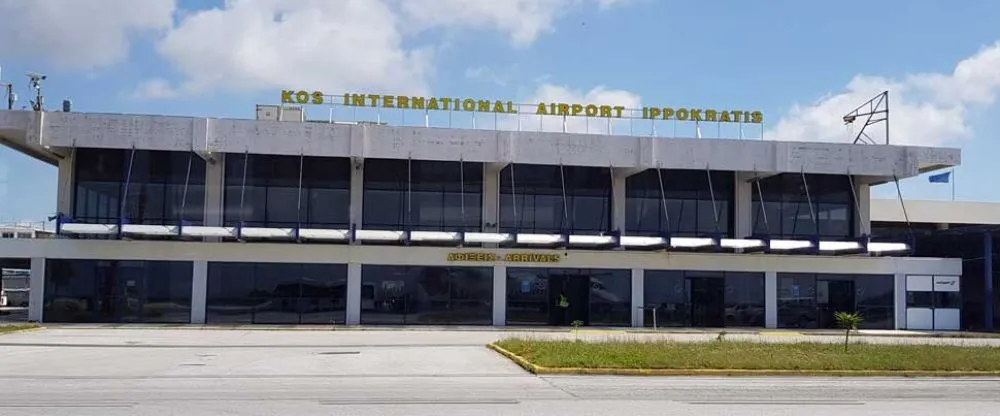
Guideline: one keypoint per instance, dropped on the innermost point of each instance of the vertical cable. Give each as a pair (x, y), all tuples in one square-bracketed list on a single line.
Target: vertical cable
[(298, 207), (409, 191), (513, 196), (461, 178), (243, 185), (562, 180), (857, 203), (711, 191), (128, 181), (812, 211), (187, 180), (760, 196), (663, 200)]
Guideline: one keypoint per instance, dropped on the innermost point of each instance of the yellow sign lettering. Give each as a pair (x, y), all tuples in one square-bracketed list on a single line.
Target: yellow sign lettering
[(484, 257), (508, 107)]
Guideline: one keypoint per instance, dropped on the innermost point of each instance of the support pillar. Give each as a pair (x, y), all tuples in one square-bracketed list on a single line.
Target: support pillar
[(353, 294), (36, 294), (988, 281), (357, 194), (491, 197), (743, 205), (215, 186), (771, 300), (899, 300), (862, 219), (64, 186), (638, 297), (499, 295), (199, 291)]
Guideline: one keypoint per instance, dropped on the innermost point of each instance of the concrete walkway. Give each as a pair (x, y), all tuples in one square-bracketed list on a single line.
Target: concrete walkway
[(194, 336)]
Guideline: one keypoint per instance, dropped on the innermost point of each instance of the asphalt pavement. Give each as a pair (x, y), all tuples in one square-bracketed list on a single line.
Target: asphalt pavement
[(112, 372)]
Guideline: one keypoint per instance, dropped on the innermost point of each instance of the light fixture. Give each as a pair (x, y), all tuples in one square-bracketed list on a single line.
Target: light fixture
[(538, 239), (487, 238)]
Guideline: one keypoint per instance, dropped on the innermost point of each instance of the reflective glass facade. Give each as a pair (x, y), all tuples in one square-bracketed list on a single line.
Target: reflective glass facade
[(422, 195), (690, 210), (116, 291), (600, 297), (271, 195), (703, 299), (807, 300), (155, 187), (786, 212), (276, 293), (403, 295), (532, 199)]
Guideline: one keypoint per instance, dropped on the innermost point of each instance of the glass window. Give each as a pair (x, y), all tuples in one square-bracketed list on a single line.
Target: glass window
[(272, 196), (540, 296), (276, 293), (426, 295), (786, 212), (808, 300), (422, 195), (689, 203), (156, 190), (117, 291), (945, 300), (534, 200), (920, 300), (703, 299)]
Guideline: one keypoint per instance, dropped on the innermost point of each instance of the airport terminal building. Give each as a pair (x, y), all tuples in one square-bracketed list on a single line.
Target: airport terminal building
[(279, 220)]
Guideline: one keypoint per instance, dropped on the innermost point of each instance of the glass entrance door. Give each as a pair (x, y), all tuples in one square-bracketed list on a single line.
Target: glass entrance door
[(574, 289), (834, 296), (706, 298)]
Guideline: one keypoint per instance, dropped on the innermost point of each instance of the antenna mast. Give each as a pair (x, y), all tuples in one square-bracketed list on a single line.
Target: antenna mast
[(35, 81), (9, 90), (875, 111)]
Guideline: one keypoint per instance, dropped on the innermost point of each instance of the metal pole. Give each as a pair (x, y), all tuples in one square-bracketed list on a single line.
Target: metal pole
[(988, 280)]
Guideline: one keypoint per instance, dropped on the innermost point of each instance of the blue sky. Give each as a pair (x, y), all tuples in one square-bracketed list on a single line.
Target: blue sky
[(799, 62)]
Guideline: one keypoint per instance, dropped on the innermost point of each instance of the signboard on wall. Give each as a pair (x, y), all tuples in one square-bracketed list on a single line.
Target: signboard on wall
[(486, 257), (946, 284), (406, 102)]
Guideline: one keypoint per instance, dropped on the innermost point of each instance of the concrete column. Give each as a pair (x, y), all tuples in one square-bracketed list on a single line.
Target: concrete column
[(638, 296), (862, 220), (36, 295), (353, 294), (357, 194), (771, 300), (618, 199), (64, 186), (988, 280), (899, 305), (499, 295), (215, 181), (199, 291), (743, 205), (491, 197)]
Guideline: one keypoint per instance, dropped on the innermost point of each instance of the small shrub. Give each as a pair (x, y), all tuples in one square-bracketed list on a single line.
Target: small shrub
[(849, 321)]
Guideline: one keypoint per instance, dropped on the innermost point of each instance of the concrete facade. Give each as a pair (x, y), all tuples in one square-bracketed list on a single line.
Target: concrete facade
[(53, 136)]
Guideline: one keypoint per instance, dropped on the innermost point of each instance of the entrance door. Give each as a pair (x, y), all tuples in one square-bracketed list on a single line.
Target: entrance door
[(839, 297), (706, 297), (576, 288)]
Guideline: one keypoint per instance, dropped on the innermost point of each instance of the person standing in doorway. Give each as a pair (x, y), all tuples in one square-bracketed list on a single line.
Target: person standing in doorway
[(563, 309)]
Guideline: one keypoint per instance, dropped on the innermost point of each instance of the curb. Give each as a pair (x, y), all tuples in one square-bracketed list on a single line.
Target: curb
[(542, 370)]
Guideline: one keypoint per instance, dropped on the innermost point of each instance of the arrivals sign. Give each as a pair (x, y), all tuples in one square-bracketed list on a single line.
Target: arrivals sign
[(486, 257), (406, 102)]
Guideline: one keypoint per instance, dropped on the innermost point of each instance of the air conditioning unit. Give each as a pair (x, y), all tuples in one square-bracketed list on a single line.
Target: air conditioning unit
[(280, 113)]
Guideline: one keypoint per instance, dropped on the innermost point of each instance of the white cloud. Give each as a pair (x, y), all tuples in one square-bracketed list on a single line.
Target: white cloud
[(600, 95), (313, 44), (156, 88), (522, 20), (78, 34), (927, 109)]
